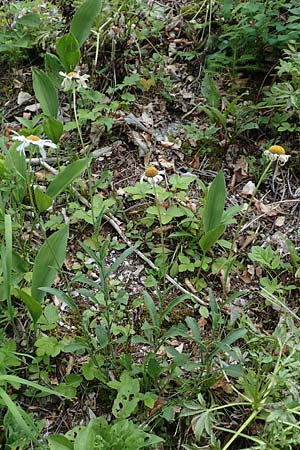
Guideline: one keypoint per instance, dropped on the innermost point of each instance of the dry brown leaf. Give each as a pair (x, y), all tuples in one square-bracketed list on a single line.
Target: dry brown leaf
[(232, 182), (158, 404), (202, 323), (268, 210), (248, 240), (70, 365), (241, 165), (42, 175), (248, 274), (222, 384), (166, 164), (195, 164), (143, 141), (190, 286)]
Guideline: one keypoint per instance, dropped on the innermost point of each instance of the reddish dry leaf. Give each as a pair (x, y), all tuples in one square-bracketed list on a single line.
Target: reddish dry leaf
[(268, 210), (249, 239), (248, 274), (190, 286), (222, 384), (241, 166), (195, 164), (232, 182), (158, 404), (202, 323)]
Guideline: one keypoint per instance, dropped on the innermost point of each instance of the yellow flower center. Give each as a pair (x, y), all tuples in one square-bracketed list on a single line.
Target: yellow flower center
[(277, 150), (151, 172), (33, 138), (72, 74)]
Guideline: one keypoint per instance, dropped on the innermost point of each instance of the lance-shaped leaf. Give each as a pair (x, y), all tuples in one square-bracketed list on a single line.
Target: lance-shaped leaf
[(45, 92), (84, 18), (214, 203), (68, 51), (48, 261), (66, 177)]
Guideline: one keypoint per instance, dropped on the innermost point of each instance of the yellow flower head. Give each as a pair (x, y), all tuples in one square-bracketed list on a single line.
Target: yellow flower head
[(277, 150), (277, 153), (151, 172), (31, 137), (72, 74)]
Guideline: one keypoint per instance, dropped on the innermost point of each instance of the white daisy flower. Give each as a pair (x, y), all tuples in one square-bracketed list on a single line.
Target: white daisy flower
[(152, 176), (277, 153), (26, 141), (74, 77)]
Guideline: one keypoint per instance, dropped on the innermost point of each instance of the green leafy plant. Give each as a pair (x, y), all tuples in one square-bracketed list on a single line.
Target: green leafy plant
[(254, 36), (282, 99), (98, 434), (198, 231), (262, 396)]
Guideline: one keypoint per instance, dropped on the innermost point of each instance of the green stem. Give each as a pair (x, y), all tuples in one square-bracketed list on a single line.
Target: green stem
[(237, 232), (76, 117), (162, 240), (242, 428)]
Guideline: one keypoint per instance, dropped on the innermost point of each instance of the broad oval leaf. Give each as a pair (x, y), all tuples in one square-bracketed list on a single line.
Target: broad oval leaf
[(45, 92), (42, 200), (85, 438), (65, 178), (59, 442), (48, 261), (34, 307), (211, 237), (214, 203), (84, 18), (53, 129), (68, 51)]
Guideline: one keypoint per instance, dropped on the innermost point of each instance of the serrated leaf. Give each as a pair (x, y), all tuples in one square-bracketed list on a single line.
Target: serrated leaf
[(210, 91)]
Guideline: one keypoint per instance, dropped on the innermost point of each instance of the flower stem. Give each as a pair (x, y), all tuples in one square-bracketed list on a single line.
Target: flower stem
[(162, 241), (76, 117), (241, 223)]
